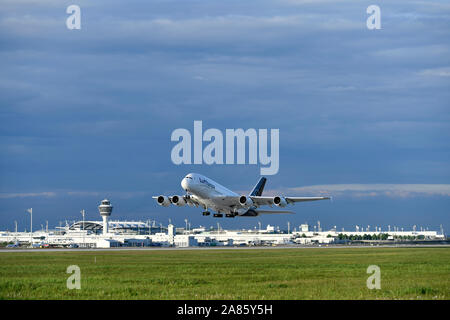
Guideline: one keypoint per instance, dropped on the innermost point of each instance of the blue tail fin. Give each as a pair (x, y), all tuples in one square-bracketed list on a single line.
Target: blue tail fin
[(258, 189)]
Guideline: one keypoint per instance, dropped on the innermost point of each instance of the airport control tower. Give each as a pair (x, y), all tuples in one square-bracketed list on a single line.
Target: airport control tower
[(105, 209)]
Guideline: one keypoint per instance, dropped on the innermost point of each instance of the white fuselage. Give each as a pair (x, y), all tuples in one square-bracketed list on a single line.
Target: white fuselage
[(207, 191)]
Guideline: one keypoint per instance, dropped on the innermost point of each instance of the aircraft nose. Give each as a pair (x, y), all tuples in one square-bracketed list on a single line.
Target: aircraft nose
[(185, 184)]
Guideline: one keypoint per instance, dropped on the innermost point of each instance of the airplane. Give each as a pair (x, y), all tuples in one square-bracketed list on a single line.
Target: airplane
[(204, 192)]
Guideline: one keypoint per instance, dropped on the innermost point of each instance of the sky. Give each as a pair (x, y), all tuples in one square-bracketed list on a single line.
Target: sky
[(363, 114)]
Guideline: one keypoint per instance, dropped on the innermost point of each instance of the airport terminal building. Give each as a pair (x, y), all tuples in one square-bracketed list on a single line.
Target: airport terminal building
[(109, 234)]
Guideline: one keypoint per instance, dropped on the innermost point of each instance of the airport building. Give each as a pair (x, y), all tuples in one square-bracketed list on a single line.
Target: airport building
[(110, 233)]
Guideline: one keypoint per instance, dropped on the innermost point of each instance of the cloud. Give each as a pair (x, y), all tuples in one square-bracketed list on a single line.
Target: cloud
[(83, 194), (115, 194), (370, 190), (414, 53), (436, 72), (347, 190), (26, 195), (302, 2)]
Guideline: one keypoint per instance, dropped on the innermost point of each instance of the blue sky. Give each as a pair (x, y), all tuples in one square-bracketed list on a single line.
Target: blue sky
[(363, 114)]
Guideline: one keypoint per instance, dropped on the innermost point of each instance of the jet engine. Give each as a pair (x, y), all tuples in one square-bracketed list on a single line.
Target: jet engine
[(245, 201), (178, 201), (279, 201), (163, 201)]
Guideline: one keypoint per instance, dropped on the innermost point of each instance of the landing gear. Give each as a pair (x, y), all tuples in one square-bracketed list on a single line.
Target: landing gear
[(206, 213), (230, 215), (218, 215)]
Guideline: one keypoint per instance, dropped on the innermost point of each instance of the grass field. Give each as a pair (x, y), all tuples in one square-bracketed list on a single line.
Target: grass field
[(322, 273)]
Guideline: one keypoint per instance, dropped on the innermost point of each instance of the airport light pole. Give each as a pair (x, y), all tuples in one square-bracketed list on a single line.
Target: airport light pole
[(82, 213), (31, 226)]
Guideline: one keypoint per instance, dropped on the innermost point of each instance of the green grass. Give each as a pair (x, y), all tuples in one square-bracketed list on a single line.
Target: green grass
[(323, 273)]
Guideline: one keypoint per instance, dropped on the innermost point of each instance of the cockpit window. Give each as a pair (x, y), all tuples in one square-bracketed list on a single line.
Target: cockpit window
[(188, 177)]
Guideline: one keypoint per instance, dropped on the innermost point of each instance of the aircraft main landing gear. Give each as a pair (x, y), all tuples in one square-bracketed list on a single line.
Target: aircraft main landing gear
[(218, 215), (206, 213)]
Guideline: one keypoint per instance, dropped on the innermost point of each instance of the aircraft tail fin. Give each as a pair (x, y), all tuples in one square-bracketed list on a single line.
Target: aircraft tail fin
[(258, 189)]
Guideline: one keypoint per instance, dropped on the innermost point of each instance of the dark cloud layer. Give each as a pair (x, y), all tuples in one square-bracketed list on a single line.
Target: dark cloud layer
[(91, 111)]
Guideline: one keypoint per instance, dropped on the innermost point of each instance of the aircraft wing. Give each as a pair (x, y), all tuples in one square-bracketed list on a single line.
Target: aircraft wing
[(190, 201), (261, 201), (268, 201)]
